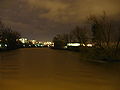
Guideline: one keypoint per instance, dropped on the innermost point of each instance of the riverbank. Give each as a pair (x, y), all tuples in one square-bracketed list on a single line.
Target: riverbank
[(95, 54)]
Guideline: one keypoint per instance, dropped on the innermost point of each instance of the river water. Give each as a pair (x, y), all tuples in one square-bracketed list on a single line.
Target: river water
[(47, 69)]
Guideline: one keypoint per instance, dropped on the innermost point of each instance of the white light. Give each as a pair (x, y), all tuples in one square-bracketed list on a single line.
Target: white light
[(5, 45), (0, 45), (73, 44), (89, 45), (84, 45), (42, 45)]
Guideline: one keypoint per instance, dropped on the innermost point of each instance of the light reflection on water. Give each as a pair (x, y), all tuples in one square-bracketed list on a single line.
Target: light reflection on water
[(46, 69)]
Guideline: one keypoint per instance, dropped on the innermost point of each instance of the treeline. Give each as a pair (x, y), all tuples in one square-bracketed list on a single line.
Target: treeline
[(8, 37), (101, 31), (79, 34)]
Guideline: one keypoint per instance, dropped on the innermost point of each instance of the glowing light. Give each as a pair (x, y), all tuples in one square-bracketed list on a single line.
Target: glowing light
[(83, 45), (89, 45), (73, 44), (41, 45), (47, 43), (52, 45), (35, 45), (5, 45), (23, 40)]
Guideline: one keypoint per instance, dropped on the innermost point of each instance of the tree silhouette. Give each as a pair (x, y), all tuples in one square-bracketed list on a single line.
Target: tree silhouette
[(80, 35), (8, 36)]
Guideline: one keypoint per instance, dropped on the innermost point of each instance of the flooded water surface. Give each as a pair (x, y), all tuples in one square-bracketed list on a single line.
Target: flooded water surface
[(47, 69)]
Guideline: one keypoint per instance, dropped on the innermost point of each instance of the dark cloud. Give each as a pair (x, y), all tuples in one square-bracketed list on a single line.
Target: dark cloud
[(42, 19)]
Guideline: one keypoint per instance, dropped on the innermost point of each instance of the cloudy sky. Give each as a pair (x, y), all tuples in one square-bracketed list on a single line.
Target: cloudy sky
[(42, 19)]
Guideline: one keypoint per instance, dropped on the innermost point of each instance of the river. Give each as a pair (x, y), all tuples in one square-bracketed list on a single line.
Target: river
[(48, 69)]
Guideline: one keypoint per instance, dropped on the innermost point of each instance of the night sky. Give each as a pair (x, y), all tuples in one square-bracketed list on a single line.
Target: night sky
[(43, 19)]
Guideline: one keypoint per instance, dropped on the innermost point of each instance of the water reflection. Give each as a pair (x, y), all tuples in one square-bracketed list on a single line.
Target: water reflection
[(46, 69), (9, 68)]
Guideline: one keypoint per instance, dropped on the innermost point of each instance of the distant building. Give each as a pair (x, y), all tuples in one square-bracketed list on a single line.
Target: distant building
[(48, 43), (33, 41), (23, 40)]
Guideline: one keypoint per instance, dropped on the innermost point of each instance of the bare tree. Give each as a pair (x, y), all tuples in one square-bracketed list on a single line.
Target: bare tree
[(80, 35), (106, 35), (101, 28), (8, 36), (117, 41)]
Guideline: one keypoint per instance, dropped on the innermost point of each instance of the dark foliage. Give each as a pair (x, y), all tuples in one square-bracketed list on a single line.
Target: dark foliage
[(9, 37)]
